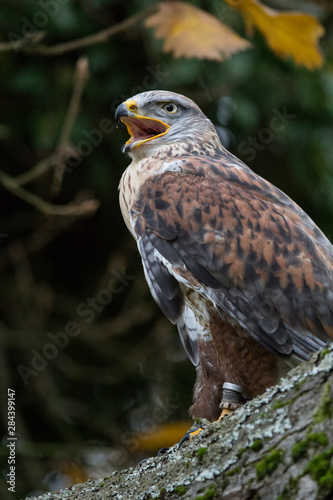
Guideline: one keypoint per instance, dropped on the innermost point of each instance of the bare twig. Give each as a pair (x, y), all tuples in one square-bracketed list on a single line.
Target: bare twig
[(87, 41), (39, 169), (58, 159), (22, 43), (85, 208), (80, 79)]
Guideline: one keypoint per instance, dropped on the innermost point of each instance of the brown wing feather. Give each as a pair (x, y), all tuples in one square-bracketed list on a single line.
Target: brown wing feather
[(259, 257)]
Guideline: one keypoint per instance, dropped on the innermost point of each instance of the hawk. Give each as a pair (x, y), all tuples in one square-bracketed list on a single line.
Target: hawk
[(241, 269)]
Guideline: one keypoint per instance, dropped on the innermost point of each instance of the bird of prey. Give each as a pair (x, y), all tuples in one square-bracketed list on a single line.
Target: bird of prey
[(241, 269)]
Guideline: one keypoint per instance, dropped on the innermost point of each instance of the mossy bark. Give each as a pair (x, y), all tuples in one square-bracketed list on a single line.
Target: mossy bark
[(278, 446)]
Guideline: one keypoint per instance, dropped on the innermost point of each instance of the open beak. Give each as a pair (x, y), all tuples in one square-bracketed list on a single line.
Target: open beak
[(141, 128)]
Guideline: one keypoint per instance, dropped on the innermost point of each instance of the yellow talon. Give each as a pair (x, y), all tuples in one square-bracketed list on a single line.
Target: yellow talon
[(225, 413), (195, 433)]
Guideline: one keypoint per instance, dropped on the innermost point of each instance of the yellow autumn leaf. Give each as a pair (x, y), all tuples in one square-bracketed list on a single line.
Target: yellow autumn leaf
[(190, 32), (288, 34)]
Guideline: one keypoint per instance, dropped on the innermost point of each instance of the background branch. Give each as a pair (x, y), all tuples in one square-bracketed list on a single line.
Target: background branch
[(39, 169), (22, 43), (80, 78), (85, 208), (25, 44)]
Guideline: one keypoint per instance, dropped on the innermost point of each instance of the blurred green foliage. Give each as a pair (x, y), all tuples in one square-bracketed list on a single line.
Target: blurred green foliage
[(125, 371)]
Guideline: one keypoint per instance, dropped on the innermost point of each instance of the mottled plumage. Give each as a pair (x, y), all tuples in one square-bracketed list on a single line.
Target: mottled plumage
[(242, 270)]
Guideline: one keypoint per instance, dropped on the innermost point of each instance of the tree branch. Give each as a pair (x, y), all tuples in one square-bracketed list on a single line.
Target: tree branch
[(80, 78), (85, 208), (279, 445), (25, 44), (58, 159), (39, 169)]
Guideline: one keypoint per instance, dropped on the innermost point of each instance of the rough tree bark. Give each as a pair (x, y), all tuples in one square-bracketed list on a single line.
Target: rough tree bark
[(278, 446)]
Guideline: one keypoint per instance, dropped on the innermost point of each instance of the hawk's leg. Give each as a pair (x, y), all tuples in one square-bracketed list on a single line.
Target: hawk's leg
[(208, 386), (232, 356), (232, 398)]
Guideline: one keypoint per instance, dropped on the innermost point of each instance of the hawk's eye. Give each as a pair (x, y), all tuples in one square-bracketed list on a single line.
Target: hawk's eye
[(170, 107)]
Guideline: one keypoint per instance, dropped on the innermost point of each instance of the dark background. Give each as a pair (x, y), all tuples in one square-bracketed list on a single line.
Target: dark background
[(101, 399)]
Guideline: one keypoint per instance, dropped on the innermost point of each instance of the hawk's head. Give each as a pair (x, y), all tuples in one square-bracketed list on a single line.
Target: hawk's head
[(158, 118)]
